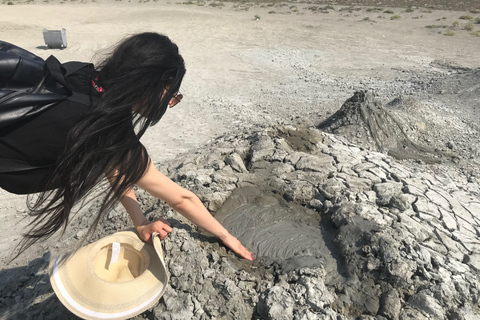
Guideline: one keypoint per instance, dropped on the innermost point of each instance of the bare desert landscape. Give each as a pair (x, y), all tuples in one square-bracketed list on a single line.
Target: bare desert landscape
[(337, 141)]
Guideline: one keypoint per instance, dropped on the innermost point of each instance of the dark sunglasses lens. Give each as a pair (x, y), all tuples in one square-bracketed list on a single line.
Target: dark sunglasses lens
[(175, 100)]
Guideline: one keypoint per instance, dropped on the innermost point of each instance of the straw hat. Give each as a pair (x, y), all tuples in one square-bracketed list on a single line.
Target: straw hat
[(116, 277)]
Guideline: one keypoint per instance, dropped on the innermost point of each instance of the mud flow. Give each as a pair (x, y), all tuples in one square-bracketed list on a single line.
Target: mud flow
[(276, 231)]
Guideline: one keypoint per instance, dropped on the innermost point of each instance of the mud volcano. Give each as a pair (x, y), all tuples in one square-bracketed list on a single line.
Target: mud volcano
[(338, 232), (365, 121), (403, 240)]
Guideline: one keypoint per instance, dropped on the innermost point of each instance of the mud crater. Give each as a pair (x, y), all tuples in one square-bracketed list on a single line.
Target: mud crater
[(299, 139), (279, 232)]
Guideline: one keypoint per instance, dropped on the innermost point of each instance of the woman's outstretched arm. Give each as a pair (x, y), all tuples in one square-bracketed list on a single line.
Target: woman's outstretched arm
[(183, 201)]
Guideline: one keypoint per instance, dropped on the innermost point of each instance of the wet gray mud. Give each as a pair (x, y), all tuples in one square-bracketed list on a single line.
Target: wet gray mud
[(288, 235)]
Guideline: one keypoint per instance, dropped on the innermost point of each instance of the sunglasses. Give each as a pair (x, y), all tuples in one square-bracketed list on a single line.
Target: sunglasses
[(177, 97)]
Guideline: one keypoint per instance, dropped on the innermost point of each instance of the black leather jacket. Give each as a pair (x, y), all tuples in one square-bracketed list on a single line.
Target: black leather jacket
[(27, 85)]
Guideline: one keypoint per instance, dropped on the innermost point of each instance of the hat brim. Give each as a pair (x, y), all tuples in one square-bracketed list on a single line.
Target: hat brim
[(89, 296)]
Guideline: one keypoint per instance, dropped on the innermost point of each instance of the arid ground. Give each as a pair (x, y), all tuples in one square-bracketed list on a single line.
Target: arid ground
[(263, 64)]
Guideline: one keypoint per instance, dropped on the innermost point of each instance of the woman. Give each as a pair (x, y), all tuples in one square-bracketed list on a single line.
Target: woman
[(130, 90)]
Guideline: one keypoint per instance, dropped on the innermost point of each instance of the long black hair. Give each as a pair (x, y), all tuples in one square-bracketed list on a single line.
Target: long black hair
[(142, 73)]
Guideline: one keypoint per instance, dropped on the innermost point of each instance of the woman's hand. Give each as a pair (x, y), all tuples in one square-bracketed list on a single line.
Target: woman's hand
[(163, 227), (160, 225), (233, 243)]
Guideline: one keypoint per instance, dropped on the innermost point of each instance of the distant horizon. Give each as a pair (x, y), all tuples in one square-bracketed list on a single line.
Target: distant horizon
[(453, 5)]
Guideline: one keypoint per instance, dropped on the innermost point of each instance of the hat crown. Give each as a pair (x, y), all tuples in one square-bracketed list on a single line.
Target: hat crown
[(123, 265)]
